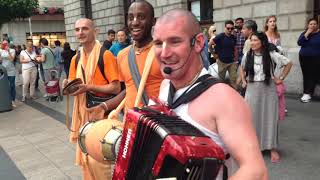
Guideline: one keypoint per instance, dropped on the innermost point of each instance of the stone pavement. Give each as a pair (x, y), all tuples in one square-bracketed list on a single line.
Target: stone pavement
[(34, 143)]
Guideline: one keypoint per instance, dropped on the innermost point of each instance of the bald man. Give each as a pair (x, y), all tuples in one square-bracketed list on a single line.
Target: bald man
[(178, 42), (96, 83)]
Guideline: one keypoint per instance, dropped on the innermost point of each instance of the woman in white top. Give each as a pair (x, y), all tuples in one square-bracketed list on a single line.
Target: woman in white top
[(271, 30), (29, 71), (256, 72), (7, 56)]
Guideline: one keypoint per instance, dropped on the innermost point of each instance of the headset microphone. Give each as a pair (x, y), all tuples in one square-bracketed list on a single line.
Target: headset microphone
[(169, 70)]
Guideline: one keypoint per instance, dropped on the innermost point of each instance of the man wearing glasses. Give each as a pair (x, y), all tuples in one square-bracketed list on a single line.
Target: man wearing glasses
[(227, 53)]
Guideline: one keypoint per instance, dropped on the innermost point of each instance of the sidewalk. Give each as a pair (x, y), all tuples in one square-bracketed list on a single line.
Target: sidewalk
[(35, 143), (35, 140)]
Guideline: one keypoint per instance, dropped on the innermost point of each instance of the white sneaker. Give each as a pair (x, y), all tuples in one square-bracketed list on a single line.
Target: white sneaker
[(45, 95), (23, 99), (305, 98), (13, 104)]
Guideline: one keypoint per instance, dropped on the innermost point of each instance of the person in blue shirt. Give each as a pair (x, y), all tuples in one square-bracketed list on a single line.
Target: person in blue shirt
[(120, 44), (227, 53), (309, 57)]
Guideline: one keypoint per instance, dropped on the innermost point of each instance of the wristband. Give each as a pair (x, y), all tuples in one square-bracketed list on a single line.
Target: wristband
[(105, 106)]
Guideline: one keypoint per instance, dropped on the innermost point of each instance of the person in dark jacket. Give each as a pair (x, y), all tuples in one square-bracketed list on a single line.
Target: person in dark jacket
[(309, 57), (67, 55)]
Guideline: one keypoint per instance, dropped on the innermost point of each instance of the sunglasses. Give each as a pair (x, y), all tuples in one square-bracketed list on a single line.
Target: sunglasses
[(230, 28)]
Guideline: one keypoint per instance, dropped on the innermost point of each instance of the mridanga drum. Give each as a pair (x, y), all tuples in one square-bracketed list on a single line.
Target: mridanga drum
[(98, 139)]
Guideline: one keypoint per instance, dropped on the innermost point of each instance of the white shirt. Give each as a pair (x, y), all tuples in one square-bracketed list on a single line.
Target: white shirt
[(26, 55), (259, 75)]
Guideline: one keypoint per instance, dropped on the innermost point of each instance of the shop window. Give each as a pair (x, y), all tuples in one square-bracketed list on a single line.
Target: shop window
[(51, 37), (202, 9)]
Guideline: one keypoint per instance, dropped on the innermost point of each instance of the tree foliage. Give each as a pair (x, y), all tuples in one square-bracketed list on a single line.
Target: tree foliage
[(13, 9)]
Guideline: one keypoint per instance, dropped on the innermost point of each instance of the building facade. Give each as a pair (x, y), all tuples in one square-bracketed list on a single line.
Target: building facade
[(291, 14), (44, 24)]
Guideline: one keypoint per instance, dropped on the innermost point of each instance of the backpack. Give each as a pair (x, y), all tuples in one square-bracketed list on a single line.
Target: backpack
[(100, 61)]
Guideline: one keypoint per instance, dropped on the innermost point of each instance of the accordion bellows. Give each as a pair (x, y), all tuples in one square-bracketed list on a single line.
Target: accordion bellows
[(155, 145)]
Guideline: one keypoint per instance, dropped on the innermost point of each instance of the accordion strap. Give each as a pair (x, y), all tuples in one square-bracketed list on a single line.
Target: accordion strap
[(202, 84)]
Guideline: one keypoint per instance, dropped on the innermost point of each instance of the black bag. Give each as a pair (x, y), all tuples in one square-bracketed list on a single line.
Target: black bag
[(93, 100)]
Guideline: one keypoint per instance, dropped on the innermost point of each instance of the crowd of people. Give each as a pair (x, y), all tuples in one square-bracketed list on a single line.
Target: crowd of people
[(254, 60)]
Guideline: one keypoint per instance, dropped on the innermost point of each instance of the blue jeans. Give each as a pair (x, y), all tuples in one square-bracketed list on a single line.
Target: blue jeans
[(12, 87)]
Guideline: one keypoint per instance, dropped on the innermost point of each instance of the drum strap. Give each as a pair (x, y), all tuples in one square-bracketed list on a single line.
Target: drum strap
[(67, 115)]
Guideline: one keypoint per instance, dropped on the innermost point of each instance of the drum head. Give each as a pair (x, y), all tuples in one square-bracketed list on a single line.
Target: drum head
[(82, 136), (96, 135), (71, 87)]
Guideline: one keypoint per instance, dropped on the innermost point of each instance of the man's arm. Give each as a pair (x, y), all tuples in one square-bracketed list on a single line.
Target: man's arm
[(111, 88), (235, 127)]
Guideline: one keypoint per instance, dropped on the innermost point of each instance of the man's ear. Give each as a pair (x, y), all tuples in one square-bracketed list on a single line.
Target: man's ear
[(199, 42), (96, 32), (153, 22)]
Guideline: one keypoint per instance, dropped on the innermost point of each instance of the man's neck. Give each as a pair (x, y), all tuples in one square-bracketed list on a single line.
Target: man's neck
[(87, 48), (188, 80), (227, 34), (142, 43)]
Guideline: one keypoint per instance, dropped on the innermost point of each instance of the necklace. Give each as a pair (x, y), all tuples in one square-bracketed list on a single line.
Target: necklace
[(192, 81), (140, 50)]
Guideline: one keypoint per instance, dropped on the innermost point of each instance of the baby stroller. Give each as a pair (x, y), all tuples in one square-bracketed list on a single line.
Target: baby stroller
[(53, 87)]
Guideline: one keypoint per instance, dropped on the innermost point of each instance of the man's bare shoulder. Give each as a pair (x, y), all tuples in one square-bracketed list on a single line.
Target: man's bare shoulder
[(220, 95)]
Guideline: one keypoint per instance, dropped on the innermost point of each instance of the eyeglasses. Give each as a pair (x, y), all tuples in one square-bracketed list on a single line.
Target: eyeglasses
[(228, 28)]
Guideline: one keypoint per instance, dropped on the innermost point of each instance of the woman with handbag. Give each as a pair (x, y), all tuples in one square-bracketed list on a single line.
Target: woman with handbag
[(29, 71), (273, 35), (257, 74)]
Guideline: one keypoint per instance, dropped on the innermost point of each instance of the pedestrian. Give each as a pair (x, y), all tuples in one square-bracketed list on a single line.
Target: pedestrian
[(58, 58), (258, 77), (121, 43), (110, 38), (17, 65), (227, 125), (46, 59), (7, 58), (227, 53), (67, 55), (212, 34), (94, 82), (271, 30), (249, 27), (29, 71), (309, 57), (240, 37)]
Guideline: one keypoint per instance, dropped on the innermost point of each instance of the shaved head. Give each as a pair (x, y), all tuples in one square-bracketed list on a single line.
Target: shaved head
[(89, 22), (186, 18)]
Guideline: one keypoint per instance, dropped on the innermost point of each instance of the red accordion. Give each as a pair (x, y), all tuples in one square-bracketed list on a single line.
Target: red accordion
[(156, 145)]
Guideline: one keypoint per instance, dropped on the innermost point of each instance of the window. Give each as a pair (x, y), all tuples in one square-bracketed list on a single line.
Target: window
[(202, 9), (88, 9), (317, 9), (126, 5)]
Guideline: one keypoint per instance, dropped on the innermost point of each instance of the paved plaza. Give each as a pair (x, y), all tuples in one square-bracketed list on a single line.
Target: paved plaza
[(34, 143)]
